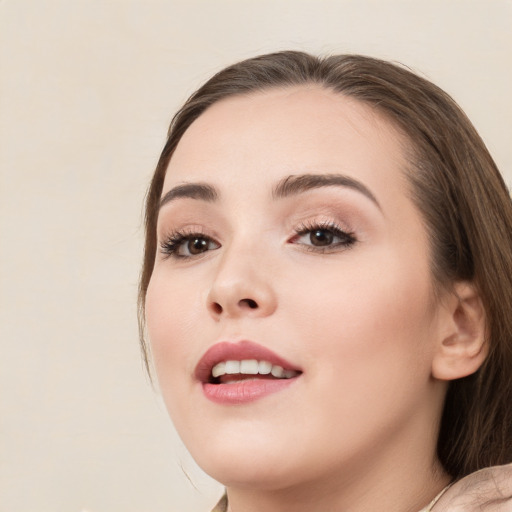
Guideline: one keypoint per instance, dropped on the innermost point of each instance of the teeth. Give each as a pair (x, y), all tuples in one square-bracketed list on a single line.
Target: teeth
[(264, 368), (232, 367), (219, 369), (277, 371), (251, 367)]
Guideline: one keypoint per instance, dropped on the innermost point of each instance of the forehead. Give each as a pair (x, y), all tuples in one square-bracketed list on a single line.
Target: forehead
[(291, 130)]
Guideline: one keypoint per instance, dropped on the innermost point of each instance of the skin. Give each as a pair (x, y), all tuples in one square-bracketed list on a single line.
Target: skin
[(357, 431)]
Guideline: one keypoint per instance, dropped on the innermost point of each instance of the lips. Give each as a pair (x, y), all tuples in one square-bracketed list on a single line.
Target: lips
[(242, 372)]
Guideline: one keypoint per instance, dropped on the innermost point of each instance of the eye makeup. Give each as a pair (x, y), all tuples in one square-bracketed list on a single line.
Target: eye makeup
[(186, 243), (323, 237), (320, 221)]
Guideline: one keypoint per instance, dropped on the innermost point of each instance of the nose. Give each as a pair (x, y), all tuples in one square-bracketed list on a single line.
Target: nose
[(241, 287)]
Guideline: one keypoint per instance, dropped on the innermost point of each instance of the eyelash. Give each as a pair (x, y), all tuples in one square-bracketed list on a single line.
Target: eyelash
[(173, 242), (171, 246), (347, 239)]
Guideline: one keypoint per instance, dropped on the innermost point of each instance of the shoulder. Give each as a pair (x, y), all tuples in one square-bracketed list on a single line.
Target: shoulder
[(487, 490)]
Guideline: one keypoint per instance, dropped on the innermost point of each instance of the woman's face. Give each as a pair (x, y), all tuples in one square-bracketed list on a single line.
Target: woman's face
[(287, 238)]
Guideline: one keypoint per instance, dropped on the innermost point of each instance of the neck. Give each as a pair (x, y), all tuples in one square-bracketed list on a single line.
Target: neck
[(403, 475), (357, 493)]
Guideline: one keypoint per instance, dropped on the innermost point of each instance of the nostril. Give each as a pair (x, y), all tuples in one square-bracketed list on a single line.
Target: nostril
[(251, 304), (217, 308)]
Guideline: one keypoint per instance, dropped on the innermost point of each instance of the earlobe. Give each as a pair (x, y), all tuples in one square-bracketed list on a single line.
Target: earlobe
[(463, 346)]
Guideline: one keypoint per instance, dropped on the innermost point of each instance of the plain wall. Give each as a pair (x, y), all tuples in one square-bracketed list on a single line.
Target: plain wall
[(87, 89)]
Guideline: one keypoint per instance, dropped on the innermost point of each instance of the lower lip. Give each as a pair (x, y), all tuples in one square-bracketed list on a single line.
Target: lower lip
[(245, 391)]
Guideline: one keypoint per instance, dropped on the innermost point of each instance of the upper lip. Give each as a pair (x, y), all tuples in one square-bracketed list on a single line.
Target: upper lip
[(227, 351)]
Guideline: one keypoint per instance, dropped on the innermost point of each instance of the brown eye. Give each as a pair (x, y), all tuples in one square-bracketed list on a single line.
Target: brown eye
[(321, 237), (181, 245), (197, 245)]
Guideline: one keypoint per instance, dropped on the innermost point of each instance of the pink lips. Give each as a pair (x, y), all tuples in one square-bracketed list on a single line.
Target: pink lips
[(246, 390)]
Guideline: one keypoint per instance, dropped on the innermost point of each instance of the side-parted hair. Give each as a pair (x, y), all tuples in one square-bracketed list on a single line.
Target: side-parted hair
[(460, 193)]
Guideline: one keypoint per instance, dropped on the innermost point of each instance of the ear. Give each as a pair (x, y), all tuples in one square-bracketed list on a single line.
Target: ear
[(463, 345)]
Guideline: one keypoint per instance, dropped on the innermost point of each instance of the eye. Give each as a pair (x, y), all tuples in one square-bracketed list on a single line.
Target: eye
[(187, 245), (323, 237)]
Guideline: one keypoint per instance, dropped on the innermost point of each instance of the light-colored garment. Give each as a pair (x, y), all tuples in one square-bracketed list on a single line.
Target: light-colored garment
[(487, 490), (222, 506)]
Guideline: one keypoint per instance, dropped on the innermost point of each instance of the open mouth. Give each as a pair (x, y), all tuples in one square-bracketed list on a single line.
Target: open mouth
[(226, 372), (241, 372)]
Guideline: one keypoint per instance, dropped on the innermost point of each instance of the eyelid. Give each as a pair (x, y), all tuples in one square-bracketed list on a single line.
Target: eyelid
[(347, 236), (323, 220), (170, 243)]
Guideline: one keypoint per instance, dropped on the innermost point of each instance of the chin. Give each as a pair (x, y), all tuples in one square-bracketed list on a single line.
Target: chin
[(248, 465), (254, 474)]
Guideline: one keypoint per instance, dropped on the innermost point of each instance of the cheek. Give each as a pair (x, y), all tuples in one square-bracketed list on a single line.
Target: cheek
[(171, 324), (368, 322), (369, 339)]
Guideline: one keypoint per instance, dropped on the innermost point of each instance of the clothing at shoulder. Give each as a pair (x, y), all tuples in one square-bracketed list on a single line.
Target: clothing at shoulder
[(487, 490), (222, 506)]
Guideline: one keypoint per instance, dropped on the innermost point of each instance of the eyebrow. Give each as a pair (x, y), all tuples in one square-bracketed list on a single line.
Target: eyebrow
[(289, 186), (202, 191), (296, 184)]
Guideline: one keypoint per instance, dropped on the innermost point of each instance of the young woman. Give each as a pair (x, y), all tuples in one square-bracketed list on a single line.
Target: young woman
[(327, 287)]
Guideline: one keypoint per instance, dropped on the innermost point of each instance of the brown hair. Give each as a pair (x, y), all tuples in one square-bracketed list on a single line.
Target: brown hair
[(458, 190)]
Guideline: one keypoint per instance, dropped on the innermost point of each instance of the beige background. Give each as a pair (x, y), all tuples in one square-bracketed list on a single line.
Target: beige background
[(87, 89)]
